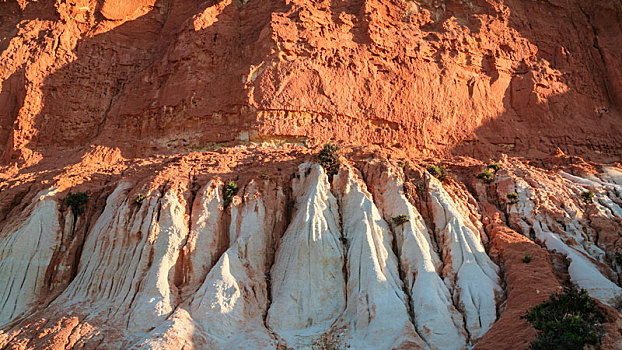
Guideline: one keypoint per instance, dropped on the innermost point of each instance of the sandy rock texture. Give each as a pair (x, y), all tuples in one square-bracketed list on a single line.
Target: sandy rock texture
[(436, 318), (551, 209), (194, 128), (25, 256), (431, 77), (299, 258)]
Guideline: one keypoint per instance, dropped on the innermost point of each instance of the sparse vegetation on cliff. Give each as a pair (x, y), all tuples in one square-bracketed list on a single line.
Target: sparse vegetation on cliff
[(494, 166), (438, 171), (400, 219), (329, 159), (527, 258), (139, 199), (512, 197), (231, 189), (587, 197), (76, 201), (486, 175), (566, 321)]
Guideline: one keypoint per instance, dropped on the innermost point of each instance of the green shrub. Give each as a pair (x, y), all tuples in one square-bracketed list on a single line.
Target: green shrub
[(438, 171), (494, 166), (513, 197), (77, 201), (527, 258), (486, 176), (329, 159), (400, 219), (566, 321), (587, 197), (231, 189), (139, 199)]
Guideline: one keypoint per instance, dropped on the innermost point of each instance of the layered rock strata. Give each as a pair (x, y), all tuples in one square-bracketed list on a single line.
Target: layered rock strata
[(318, 261)]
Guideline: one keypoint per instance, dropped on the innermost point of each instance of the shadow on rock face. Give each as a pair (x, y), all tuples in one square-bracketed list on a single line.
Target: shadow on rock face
[(474, 79)]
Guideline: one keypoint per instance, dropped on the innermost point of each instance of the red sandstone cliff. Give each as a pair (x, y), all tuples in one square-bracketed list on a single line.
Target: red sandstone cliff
[(468, 77), (172, 99)]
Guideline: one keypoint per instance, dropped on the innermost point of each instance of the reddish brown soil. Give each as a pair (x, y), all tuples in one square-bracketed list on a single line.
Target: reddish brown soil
[(528, 284)]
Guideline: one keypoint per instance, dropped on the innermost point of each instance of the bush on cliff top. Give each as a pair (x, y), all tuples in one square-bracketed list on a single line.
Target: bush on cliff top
[(400, 219), (139, 199), (587, 197), (566, 321), (438, 171), (513, 197), (486, 176), (76, 201), (231, 189), (494, 166), (329, 159)]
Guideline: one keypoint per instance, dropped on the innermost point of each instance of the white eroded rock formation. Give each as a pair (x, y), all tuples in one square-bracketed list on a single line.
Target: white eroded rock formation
[(376, 313), (205, 241), (227, 310), (308, 285), (128, 261), (551, 210), (468, 271), (323, 266), (26, 250), (436, 319)]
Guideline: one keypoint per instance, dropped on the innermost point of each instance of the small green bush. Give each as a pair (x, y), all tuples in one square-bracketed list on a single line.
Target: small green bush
[(587, 197), (486, 176), (438, 171), (513, 197), (566, 321), (329, 159), (494, 166), (527, 258), (400, 219), (231, 189), (139, 199), (77, 201)]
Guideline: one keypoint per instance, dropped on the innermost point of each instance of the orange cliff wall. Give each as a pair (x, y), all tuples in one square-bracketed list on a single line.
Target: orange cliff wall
[(119, 98), (468, 77)]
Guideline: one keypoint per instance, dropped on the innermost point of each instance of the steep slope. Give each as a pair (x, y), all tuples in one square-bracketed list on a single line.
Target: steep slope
[(194, 128), (435, 315), (334, 269), (307, 278), (472, 77), (376, 310)]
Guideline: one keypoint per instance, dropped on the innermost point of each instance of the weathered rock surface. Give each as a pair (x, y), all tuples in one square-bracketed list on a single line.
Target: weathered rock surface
[(376, 310), (308, 283), (468, 272), (435, 317), (472, 76), (315, 262), (527, 284), (154, 107), (25, 256), (227, 310), (551, 210)]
